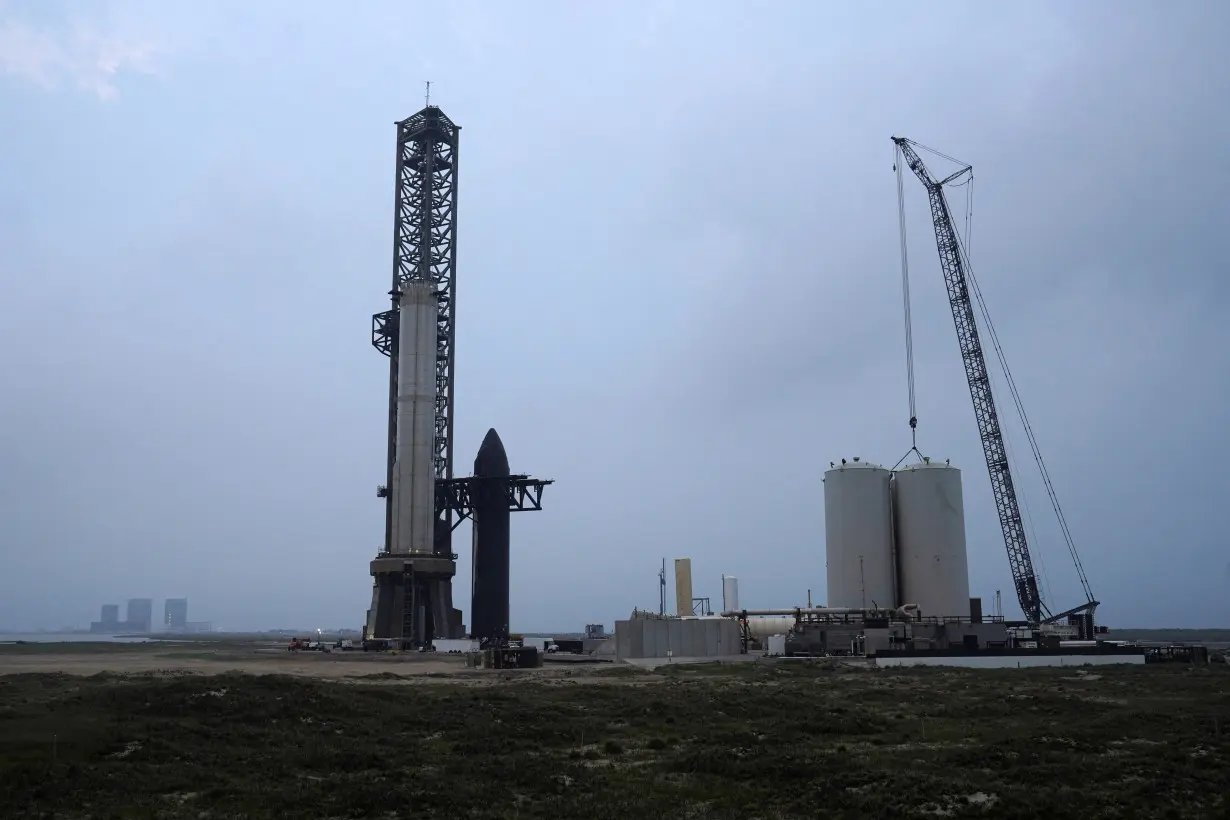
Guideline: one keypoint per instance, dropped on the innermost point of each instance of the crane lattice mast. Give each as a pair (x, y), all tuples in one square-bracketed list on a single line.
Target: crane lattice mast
[(958, 283)]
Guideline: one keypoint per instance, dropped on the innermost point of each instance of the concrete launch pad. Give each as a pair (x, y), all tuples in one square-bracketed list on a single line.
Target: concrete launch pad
[(412, 598)]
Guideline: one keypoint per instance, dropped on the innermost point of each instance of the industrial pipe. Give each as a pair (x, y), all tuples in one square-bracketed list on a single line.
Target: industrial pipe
[(765, 627), (907, 611), (796, 611)]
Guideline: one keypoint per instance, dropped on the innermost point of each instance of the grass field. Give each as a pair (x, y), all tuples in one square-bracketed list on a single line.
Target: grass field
[(749, 740)]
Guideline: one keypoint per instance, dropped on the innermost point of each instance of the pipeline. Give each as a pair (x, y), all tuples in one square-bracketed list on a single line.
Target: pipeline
[(796, 611), (907, 611)]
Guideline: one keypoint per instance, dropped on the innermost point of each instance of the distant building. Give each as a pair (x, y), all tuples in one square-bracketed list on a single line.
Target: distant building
[(140, 615), (109, 622), (175, 614)]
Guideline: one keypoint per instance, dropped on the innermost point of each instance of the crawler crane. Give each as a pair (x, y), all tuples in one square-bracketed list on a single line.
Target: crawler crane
[(961, 285)]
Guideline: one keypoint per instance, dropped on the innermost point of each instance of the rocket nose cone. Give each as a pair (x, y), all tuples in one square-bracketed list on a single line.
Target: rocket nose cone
[(491, 459)]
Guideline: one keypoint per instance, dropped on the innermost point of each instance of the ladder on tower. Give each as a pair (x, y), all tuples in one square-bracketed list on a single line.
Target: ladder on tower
[(408, 606)]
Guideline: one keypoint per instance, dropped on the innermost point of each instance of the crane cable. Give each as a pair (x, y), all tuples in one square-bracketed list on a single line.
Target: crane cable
[(1020, 407), (905, 298), (967, 247)]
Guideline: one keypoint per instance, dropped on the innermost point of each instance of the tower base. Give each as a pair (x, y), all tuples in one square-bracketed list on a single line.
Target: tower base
[(412, 600)]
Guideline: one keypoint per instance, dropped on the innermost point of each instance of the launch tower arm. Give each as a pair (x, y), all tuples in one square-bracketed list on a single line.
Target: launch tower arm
[(953, 264), (457, 494)]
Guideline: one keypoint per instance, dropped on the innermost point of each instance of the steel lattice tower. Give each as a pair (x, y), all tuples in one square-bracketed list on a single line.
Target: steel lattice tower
[(412, 596), (424, 247)]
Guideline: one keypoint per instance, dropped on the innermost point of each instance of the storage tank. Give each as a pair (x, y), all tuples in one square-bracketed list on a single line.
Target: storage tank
[(768, 626), (730, 593), (858, 535), (683, 587), (930, 530)]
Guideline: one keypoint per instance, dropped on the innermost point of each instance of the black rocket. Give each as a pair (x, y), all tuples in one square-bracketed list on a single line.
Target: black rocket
[(489, 496)]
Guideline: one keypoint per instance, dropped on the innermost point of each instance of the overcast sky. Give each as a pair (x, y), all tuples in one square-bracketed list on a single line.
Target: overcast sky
[(678, 291)]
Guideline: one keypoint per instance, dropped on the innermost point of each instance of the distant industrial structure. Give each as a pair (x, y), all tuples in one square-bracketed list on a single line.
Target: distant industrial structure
[(108, 622), (412, 574), (139, 618), (140, 614), (175, 614)]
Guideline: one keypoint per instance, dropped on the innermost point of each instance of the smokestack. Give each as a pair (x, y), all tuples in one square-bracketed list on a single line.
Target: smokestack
[(683, 586)]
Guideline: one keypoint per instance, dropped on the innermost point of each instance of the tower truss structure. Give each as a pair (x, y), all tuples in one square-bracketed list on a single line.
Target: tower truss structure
[(424, 247)]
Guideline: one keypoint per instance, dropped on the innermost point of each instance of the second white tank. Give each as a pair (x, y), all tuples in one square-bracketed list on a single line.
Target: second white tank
[(730, 593), (858, 536), (930, 533)]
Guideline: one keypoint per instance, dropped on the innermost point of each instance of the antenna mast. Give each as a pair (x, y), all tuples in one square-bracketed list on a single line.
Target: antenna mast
[(662, 589)]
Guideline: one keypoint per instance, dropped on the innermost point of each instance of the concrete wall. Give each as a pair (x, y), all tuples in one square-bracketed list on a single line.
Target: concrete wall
[(682, 638), (875, 640), (1009, 661)]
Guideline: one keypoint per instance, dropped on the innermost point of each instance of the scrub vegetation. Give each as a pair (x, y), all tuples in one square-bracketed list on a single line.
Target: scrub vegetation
[(748, 740)]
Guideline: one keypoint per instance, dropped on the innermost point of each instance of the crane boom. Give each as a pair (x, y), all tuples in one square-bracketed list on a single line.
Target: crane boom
[(952, 261)]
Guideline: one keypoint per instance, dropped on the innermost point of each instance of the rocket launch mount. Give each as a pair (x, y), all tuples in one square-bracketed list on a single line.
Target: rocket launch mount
[(412, 595)]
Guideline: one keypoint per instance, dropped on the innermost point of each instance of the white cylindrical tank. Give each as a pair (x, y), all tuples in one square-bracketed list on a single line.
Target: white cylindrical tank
[(772, 625), (858, 535), (930, 530), (730, 593), (414, 474)]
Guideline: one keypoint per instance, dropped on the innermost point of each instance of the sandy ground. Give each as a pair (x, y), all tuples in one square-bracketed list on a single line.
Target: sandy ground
[(332, 665), (346, 666)]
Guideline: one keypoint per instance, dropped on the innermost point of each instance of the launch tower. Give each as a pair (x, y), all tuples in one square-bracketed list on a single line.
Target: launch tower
[(412, 592)]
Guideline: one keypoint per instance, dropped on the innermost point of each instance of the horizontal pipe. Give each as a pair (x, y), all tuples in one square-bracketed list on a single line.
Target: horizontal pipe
[(816, 610), (905, 610)]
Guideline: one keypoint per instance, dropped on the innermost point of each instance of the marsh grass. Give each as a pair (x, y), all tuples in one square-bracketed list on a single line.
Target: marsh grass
[(748, 740)]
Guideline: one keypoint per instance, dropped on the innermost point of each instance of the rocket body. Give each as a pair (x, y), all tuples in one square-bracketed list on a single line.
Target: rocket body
[(489, 602), (414, 476)]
